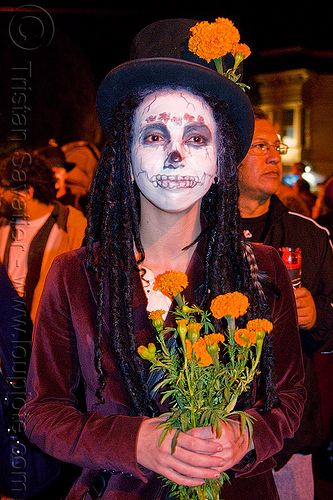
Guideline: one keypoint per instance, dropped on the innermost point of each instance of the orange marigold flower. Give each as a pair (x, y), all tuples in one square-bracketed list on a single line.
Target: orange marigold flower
[(171, 283), (142, 350), (188, 345), (233, 304), (201, 354), (242, 48), (201, 346), (193, 331), (182, 327), (257, 325), (214, 338), (156, 319), (244, 337), (212, 342), (213, 40), (156, 315), (147, 352)]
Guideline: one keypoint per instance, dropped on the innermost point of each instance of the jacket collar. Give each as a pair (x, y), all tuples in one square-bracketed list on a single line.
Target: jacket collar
[(276, 207)]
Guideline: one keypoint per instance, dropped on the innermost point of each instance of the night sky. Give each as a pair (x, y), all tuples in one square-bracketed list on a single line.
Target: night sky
[(81, 42), (105, 33)]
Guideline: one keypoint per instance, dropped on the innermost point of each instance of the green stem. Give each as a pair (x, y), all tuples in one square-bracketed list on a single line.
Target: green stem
[(259, 349), (193, 419), (231, 329), (189, 384), (178, 298), (161, 365), (201, 492), (163, 344), (216, 363)]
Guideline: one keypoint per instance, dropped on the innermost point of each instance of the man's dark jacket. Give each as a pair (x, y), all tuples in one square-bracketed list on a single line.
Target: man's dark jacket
[(285, 228)]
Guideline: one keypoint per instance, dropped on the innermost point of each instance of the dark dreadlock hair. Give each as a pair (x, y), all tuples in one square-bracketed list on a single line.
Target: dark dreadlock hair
[(113, 221)]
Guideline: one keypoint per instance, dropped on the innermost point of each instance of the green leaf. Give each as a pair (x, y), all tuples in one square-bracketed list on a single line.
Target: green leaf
[(166, 395), (242, 422), (174, 441), (184, 421), (162, 436), (205, 418)]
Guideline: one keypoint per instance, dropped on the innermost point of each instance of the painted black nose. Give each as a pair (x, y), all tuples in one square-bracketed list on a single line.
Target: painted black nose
[(175, 157), (173, 160)]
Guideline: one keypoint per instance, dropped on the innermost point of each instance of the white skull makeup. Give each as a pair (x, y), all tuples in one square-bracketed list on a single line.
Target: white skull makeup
[(173, 151)]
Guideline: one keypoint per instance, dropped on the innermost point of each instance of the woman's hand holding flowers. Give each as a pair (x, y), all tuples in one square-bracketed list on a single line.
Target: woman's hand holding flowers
[(204, 372), (234, 443), (197, 456)]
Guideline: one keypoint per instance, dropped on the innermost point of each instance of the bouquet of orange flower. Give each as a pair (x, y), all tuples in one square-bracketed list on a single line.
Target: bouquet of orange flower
[(201, 388), (215, 40)]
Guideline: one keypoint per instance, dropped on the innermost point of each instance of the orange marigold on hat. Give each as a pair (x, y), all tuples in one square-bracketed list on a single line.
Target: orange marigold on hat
[(213, 40), (242, 48)]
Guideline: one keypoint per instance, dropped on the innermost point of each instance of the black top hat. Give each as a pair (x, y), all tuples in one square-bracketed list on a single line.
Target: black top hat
[(160, 57)]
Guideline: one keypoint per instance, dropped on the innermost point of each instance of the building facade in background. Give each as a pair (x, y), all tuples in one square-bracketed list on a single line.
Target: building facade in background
[(297, 94)]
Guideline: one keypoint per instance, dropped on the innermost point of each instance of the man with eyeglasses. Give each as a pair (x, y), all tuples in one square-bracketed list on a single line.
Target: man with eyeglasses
[(267, 221)]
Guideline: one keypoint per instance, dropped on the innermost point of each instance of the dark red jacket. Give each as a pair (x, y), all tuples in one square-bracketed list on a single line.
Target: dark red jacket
[(105, 436)]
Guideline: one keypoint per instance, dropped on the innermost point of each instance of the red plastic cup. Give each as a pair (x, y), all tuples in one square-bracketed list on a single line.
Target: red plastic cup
[(292, 258)]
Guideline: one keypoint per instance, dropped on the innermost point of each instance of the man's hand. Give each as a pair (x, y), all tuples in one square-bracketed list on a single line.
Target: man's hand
[(306, 308)]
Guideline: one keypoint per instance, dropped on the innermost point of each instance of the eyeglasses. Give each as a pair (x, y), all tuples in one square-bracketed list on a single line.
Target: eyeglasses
[(261, 148)]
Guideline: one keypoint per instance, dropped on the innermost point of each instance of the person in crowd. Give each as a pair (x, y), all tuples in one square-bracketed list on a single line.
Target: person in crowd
[(24, 469), (294, 203), (323, 210), (34, 226), (298, 169), (15, 329), (14, 361), (55, 156), (301, 190), (265, 220), (164, 197), (323, 215), (85, 156)]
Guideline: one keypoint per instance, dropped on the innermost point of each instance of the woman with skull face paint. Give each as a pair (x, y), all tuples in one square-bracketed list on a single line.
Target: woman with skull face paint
[(164, 197)]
